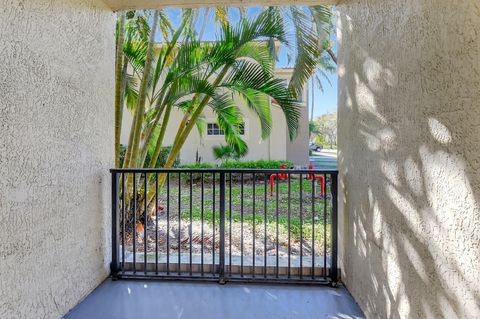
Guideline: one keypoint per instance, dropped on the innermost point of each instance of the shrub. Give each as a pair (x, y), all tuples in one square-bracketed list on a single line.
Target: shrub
[(195, 166), (226, 153), (260, 164), (162, 157), (196, 177)]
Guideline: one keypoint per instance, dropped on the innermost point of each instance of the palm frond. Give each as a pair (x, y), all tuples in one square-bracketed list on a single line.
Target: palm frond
[(164, 25), (308, 50), (221, 15), (247, 76), (131, 92), (259, 103), (229, 119), (260, 53)]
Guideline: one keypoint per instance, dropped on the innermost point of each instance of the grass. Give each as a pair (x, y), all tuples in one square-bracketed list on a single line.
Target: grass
[(301, 225)]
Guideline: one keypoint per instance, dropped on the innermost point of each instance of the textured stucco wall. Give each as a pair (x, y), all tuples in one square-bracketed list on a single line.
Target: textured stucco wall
[(409, 140), (56, 130)]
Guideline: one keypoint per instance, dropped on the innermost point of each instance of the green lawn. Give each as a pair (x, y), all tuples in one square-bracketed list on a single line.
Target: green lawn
[(265, 206)]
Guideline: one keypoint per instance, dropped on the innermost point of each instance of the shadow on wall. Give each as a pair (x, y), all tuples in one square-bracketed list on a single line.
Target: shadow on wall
[(408, 155)]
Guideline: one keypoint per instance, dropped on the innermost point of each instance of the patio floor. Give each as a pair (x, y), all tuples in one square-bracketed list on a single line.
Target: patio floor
[(170, 299)]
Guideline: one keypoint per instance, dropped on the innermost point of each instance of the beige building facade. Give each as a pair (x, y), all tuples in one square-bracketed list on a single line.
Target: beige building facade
[(277, 146)]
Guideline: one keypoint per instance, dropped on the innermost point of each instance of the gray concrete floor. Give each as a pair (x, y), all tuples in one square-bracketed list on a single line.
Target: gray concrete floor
[(169, 299)]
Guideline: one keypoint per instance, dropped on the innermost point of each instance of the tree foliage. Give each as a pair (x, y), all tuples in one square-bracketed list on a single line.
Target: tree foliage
[(324, 128)]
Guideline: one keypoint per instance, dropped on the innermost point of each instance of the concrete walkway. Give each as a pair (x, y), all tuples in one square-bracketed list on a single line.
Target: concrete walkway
[(169, 299)]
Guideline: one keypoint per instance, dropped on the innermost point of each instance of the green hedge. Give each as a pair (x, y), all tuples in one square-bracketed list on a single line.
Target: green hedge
[(260, 164), (193, 166)]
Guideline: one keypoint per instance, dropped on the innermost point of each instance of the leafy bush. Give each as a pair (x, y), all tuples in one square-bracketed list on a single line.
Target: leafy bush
[(162, 157), (226, 153), (196, 177), (260, 164), (195, 166)]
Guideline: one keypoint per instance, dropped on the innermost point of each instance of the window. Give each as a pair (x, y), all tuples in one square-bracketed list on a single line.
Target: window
[(241, 128), (213, 129)]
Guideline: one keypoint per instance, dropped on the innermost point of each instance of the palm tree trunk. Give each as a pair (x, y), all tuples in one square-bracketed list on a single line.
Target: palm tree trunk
[(148, 137), (163, 129), (119, 89), (332, 55), (128, 152), (142, 94), (191, 122), (313, 99)]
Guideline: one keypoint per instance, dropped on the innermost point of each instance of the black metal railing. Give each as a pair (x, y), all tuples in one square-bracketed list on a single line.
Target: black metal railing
[(225, 224)]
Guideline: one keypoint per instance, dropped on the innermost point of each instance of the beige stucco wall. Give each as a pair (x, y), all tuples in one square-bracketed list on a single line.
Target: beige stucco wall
[(409, 140), (56, 127)]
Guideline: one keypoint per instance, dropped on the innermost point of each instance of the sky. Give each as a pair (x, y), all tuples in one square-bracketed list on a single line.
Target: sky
[(325, 102)]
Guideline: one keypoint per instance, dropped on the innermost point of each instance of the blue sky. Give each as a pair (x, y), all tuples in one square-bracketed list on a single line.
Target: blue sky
[(325, 102)]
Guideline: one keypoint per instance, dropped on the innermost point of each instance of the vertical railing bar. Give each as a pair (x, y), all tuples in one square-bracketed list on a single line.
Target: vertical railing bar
[(334, 227), (276, 221), (289, 224), (213, 239), (168, 224), (253, 228), (145, 204), (230, 225), (301, 226), (241, 224), (202, 212), (313, 226), (156, 223), (191, 221), (222, 229), (123, 220), (324, 271), (114, 266), (134, 222), (265, 226), (179, 221)]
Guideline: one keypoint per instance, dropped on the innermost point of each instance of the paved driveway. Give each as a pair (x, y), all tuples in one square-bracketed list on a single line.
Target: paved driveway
[(326, 159)]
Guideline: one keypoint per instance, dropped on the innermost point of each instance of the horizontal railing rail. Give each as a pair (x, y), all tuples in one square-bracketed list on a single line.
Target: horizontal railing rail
[(271, 225), (224, 170)]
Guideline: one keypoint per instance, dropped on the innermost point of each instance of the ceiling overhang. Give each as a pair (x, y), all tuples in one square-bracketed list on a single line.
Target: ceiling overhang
[(118, 5)]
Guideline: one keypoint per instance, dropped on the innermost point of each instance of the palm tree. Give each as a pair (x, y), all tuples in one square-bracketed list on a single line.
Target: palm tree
[(311, 27), (237, 64), (150, 120), (119, 76), (313, 53), (190, 75), (324, 68)]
